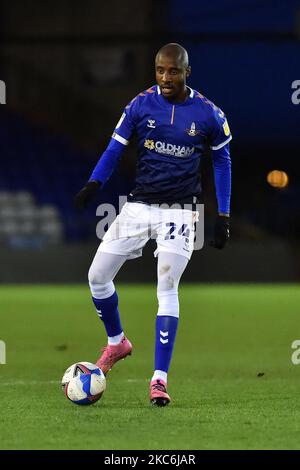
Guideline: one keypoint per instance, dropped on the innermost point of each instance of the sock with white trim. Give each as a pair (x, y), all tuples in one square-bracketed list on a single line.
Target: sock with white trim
[(166, 329), (108, 312)]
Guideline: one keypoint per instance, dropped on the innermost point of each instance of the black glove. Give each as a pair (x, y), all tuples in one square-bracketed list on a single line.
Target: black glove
[(221, 232), (86, 194)]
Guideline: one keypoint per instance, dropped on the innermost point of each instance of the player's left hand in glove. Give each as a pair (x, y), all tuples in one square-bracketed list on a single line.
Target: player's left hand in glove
[(86, 194), (221, 232)]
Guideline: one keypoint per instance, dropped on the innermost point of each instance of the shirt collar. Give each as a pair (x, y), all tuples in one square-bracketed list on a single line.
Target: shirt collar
[(191, 95)]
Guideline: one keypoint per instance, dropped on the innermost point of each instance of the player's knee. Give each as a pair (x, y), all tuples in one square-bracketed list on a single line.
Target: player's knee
[(168, 303), (97, 276), (167, 292), (102, 290)]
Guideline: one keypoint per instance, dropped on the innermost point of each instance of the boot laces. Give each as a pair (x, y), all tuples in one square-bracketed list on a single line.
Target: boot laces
[(159, 386)]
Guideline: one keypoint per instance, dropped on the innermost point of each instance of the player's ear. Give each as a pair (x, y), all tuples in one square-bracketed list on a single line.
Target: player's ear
[(188, 71)]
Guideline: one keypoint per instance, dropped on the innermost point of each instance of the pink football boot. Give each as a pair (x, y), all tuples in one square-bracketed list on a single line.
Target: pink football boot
[(158, 393), (112, 354)]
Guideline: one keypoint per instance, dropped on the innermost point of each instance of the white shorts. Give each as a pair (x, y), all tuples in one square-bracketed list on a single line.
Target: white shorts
[(173, 229)]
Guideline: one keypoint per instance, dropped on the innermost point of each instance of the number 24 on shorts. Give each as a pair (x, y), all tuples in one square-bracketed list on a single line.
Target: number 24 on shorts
[(183, 231)]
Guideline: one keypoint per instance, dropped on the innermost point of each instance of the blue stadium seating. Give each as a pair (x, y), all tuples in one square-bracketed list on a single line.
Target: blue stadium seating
[(53, 170)]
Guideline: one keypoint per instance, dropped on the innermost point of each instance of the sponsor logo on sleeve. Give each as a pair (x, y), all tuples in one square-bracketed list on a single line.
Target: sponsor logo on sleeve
[(226, 128)]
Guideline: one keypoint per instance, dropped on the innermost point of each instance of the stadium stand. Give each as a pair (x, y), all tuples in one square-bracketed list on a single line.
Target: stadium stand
[(40, 173)]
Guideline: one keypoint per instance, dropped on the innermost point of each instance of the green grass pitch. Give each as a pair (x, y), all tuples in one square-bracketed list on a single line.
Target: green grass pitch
[(232, 382)]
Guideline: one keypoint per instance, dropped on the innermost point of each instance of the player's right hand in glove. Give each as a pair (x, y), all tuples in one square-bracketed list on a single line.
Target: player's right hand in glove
[(221, 232), (86, 194)]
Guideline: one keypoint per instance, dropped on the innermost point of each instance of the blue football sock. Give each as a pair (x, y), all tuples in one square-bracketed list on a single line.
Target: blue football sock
[(108, 312), (166, 328)]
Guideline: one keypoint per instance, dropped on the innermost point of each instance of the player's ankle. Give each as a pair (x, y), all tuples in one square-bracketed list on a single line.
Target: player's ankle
[(160, 375), (115, 340)]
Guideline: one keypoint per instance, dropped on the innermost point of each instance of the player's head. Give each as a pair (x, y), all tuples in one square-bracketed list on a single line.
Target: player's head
[(172, 69)]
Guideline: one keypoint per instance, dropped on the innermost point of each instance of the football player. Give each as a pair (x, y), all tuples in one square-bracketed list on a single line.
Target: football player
[(173, 124)]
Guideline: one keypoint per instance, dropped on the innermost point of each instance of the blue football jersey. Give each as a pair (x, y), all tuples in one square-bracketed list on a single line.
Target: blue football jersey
[(171, 141)]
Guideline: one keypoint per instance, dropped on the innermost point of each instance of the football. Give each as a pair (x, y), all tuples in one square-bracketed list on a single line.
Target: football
[(83, 383)]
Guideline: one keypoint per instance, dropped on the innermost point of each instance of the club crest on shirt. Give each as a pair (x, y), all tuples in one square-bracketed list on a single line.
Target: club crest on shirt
[(192, 131)]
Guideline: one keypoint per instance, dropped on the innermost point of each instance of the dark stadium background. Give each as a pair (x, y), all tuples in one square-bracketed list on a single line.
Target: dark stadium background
[(70, 67)]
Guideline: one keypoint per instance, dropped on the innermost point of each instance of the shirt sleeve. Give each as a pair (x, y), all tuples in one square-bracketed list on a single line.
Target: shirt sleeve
[(222, 173), (127, 123), (219, 132), (108, 162)]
